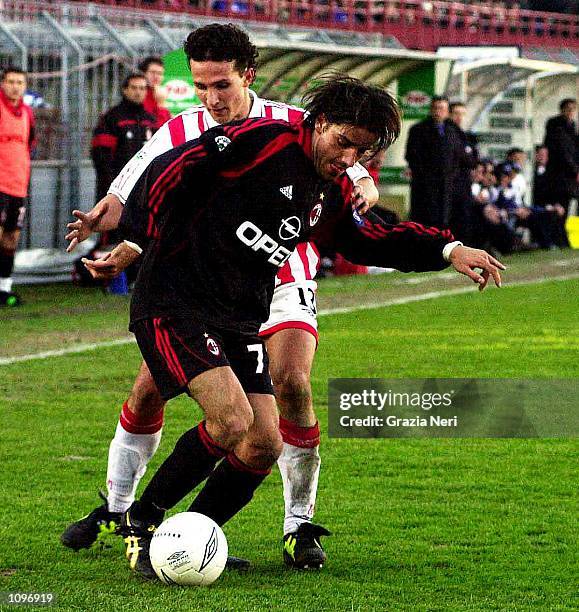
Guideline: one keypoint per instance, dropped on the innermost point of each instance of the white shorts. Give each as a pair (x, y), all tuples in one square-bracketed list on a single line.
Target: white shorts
[(293, 307)]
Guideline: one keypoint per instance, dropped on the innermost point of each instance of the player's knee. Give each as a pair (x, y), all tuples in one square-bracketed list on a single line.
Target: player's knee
[(263, 453), (145, 400), (232, 427), (293, 387), (8, 247)]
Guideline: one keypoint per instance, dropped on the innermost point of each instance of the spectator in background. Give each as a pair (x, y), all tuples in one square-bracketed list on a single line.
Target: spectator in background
[(517, 159), (563, 164), (16, 142), (120, 133), (433, 151), (490, 223), (540, 185), (542, 222), (154, 70), (461, 218)]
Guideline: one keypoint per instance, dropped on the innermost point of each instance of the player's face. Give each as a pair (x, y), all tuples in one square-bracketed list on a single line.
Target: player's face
[(154, 74), (223, 91), (336, 147), (13, 85), (136, 90)]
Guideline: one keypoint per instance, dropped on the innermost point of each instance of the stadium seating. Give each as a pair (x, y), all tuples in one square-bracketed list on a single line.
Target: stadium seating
[(417, 24)]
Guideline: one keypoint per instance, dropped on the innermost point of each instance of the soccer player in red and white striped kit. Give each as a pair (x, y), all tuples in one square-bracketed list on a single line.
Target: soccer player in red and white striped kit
[(222, 61)]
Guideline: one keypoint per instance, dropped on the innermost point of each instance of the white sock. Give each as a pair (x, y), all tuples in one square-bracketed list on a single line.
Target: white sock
[(129, 455), (6, 284), (300, 470)]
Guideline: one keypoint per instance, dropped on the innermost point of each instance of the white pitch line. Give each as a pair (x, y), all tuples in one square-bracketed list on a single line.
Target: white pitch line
[(75, 348), (81, 348)]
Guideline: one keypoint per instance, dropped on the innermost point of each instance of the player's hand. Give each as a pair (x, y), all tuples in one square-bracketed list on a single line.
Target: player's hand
[(111, 264), (104, 216), (364, 195), (82, 228), (467, 260)]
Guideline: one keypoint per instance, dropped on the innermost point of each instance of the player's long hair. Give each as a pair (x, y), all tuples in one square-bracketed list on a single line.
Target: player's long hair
[(218, 42), (345, 100)]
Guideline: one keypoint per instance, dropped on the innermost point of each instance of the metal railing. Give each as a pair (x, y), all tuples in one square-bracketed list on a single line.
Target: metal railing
[(417, 24)]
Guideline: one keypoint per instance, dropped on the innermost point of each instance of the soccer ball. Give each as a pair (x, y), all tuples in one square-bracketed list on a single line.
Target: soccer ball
[(188, 549)]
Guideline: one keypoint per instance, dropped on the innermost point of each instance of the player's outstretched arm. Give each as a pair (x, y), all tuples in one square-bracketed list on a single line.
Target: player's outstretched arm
[(103, 217), (111, 264), (467, 261), (364, 195)]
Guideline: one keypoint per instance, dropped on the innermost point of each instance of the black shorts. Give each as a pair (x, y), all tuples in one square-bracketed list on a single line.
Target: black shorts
[(178, 349), (12, 212)]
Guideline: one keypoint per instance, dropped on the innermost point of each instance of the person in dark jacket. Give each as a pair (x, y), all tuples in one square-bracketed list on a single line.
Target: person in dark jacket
[(121, 132), (461, 217), (432, 152), (563, 145)]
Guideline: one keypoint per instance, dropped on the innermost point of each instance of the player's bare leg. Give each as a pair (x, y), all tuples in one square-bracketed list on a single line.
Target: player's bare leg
[(229, 418), (291, 353), (232, 484), (136, 440)]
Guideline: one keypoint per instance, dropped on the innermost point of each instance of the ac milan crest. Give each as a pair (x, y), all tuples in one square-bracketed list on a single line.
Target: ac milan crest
[(315, 214)]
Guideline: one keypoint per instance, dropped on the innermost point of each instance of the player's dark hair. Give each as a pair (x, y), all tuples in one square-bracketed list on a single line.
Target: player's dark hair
[(12, 70), (130, 77), (151, 59), (513, 151), (566, 102), (218, 42), (345, 100)]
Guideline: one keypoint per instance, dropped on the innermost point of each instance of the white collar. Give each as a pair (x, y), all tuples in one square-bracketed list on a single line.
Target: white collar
[(256, 110)]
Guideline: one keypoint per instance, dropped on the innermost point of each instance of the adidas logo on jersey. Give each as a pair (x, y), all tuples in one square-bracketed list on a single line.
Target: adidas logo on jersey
[(287, 191)]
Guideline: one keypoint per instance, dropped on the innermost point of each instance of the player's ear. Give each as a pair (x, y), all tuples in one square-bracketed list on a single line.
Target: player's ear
[(321, 124), (249, 76)]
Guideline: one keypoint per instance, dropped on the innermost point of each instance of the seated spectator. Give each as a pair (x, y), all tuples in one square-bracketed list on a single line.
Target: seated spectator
[(542, 222), (517, 159)]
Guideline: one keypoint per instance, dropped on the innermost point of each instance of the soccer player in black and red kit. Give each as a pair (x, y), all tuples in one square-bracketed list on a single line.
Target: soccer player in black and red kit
[(211, 254)]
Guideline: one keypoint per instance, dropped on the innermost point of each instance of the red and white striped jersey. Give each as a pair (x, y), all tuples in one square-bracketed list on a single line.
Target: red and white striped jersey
[(189, 125)]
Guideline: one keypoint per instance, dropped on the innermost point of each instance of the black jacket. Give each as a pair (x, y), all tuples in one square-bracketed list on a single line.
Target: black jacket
[(434, 161), (562, 141), (119, 134)]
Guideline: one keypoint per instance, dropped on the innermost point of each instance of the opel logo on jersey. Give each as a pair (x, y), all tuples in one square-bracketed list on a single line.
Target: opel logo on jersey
[(315, 214), (222, 142), (253, 237), (290, 228)]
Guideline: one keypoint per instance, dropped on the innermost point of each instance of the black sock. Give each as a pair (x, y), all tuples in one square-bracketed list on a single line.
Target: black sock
[(191, 461), (229, 488), (6, 263)]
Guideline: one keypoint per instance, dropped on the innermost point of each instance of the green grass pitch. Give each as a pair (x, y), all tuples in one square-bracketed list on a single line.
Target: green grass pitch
[(470, 524)]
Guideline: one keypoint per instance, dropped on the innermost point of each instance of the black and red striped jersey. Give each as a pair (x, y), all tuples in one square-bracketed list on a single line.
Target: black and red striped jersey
[(220, 215), (368, 240), (119, 134)]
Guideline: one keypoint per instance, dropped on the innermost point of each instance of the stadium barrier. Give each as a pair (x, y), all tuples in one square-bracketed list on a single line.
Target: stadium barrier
[(416, 24)]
